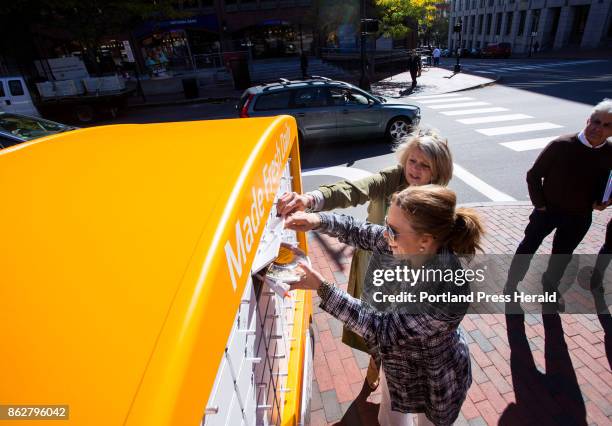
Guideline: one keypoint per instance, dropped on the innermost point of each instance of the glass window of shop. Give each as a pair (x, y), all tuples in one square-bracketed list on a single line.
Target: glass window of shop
[(165, 51), (275, 40)]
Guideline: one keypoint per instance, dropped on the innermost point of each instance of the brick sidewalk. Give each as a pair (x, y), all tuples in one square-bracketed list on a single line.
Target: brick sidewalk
[(524, 393)]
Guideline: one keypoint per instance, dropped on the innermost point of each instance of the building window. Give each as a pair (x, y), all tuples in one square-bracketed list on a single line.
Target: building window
[(535, 20), (480, 19), (522, 18), (498, 24), (488, 25), (481, 3), (509, 22), (491, 3)]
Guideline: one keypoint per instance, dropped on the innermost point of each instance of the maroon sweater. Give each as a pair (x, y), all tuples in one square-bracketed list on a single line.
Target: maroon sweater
[(568, 177)]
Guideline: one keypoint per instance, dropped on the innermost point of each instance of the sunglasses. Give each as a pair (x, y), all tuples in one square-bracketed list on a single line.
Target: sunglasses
[(392, 233)]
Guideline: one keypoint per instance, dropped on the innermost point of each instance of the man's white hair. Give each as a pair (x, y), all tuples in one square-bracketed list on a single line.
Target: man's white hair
[(604, 106)]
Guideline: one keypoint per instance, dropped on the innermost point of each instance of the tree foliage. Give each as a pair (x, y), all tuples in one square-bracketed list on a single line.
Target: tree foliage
[(395, 15)]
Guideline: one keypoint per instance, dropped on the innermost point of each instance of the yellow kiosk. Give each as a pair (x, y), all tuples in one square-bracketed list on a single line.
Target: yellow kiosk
[(129, 289)]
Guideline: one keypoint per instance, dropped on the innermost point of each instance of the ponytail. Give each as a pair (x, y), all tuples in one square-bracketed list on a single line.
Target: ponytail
[(466, 233), (431, 210)]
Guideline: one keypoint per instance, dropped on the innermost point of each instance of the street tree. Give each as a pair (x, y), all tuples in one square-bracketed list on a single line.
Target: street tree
[(396, 15)]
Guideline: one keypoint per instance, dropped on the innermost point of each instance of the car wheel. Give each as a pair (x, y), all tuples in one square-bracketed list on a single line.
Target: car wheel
[(398, 128), (84, 113)]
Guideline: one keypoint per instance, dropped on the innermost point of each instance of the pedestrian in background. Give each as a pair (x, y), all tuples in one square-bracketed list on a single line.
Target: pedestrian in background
[(422, 158), (414, 66), (304, 64), (566, 183), (436, 56)]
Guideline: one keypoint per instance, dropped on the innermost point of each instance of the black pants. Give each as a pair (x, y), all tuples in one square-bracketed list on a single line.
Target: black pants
[(603, 260), (570, 230), (413, 76)]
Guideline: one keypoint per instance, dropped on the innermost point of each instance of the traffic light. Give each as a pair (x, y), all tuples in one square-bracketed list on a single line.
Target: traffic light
[(369, 26), (458, 26)]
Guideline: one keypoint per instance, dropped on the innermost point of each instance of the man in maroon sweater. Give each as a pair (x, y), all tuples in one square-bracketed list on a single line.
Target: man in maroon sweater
[(565, 183)]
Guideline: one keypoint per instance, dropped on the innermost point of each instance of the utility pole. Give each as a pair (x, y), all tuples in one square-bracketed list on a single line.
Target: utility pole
[(364, 80), (457, 29)]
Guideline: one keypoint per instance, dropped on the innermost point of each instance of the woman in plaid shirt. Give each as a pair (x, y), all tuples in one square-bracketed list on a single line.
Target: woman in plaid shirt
[(425, 360)]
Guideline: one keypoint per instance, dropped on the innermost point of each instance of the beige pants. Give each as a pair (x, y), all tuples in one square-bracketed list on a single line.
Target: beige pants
[(388, 417)]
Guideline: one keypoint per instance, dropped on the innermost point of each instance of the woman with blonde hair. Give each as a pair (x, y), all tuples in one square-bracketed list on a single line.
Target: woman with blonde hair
[(422, 158), (425, 359)]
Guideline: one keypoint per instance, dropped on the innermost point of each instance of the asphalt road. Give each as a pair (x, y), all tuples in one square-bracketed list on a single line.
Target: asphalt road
[(535, 101)]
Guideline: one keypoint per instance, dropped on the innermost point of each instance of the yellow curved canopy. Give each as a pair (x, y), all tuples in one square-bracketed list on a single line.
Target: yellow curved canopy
[(115, 296)]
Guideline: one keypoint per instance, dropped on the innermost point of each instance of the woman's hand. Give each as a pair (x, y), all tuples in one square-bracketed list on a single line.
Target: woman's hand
[(310, 279), (291, 202), (302, 222)]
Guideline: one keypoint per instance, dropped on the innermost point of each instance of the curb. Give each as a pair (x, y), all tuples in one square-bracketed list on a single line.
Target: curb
[(182, 102), (496, 204), (495, 80)]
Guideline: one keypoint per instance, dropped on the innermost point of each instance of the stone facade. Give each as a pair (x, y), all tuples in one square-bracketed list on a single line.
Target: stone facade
[(553, 24)]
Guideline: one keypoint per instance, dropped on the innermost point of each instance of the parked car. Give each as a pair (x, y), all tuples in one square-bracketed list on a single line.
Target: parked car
[(497, 50), (464, 53), (330, 110), (475, 52), (17, 128)]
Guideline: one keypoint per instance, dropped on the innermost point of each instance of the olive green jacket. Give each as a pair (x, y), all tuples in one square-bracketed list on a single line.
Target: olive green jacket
[(377, 189)]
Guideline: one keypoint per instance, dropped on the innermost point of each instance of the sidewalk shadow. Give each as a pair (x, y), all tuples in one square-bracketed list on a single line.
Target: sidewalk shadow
[(551, 398), (360, 412), (606, 324)]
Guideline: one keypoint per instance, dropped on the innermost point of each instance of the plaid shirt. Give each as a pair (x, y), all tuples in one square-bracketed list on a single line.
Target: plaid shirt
[(426, 360)]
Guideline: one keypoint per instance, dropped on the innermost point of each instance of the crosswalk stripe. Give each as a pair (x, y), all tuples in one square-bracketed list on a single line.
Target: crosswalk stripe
[(459, 105), (474, 111), (494, 118), (480, 185), (523, 128), (440, 101), (528, 144), (444, 95)]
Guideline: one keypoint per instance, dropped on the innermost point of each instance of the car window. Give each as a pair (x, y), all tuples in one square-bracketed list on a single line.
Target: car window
[(27, 128), (272, 101), (337, 95), (356, 98), (1, 89), (310, 97), (15, 88), (6, 142)]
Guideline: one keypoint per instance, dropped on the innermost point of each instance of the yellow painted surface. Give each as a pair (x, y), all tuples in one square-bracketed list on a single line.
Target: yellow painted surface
[(115, 295)]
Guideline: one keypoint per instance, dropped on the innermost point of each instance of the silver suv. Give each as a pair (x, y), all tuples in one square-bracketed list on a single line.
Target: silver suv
[(330, 110)]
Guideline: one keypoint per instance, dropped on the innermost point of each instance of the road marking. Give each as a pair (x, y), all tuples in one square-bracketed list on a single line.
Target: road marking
[(459, 105), (480, 185), (528, 144), (351, 173), (523, 128), (444, 95), (440, 101), (494, 118), (348, 173), (473, 111)]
